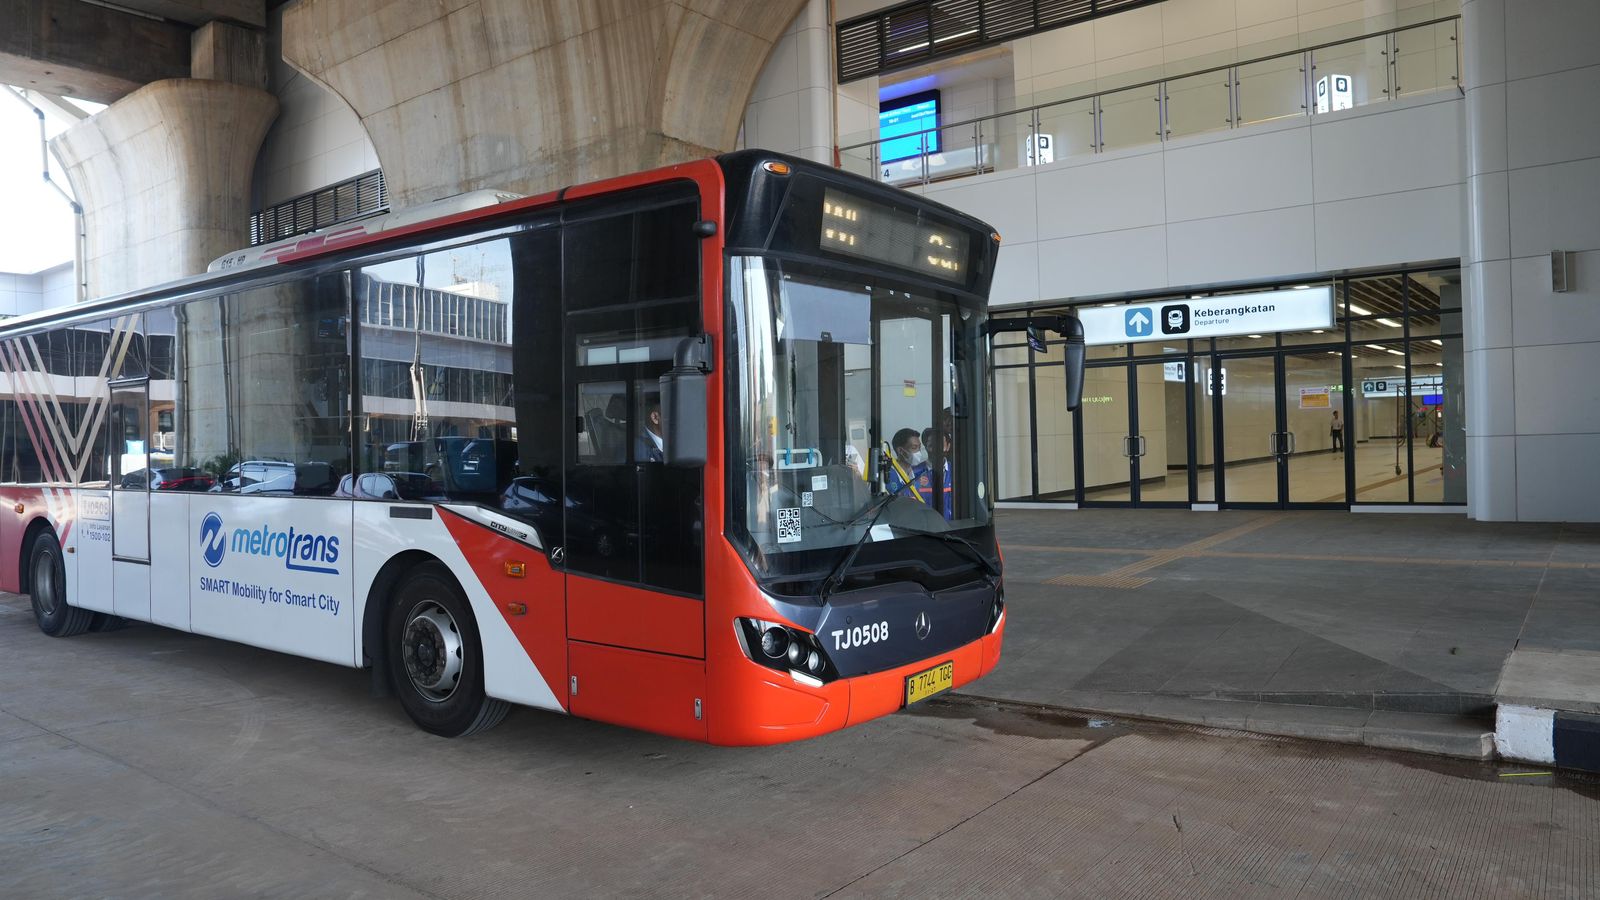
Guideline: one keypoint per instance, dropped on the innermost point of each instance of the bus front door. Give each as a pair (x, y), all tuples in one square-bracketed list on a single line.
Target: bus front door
[(131, 475)]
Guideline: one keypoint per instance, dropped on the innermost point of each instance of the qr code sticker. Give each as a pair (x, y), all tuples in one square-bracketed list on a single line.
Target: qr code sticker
[(806, 499), (789, 525)]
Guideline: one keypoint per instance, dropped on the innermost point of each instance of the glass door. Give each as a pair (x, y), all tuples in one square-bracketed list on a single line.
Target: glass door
[(1281, 428), (1135, 428), (1109, 439), (1246, 395), (1313, 398), (1161, 402)]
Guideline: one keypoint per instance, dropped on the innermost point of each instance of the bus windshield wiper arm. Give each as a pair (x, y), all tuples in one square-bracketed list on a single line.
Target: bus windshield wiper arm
[(871, 513), (956, 540)]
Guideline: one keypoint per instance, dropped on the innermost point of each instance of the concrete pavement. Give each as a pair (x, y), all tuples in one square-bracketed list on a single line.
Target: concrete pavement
[(150, 763), (1388, 630)]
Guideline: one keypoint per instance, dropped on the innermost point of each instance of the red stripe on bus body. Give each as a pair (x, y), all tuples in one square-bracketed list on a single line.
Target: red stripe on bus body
[(542, 629)]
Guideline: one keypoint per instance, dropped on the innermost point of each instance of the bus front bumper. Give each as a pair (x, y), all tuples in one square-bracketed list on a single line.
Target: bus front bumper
[(770, 707)]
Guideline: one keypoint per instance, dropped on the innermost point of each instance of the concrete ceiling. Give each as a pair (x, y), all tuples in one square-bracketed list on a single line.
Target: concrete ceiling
[(102, 52)]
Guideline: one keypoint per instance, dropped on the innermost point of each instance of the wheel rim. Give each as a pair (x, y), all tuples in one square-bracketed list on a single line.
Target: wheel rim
[(431, 646), (44, 582)]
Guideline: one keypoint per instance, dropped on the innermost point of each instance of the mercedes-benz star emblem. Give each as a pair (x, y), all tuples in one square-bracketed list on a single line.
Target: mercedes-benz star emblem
[(923, 625)]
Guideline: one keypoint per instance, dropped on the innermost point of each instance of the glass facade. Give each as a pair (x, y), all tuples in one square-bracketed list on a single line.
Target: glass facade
[(1369, 411)]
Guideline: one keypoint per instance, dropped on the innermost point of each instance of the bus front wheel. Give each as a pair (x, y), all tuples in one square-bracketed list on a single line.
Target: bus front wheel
[(434, 655), (47, 583)]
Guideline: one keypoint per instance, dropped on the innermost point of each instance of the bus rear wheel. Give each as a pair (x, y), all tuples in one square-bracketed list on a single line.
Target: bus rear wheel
[(435, 658), (47, 583)]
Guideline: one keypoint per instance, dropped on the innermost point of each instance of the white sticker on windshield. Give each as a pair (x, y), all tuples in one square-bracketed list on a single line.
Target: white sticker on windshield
[(805, 499), (789, 525), (882, 533), (819, 482)]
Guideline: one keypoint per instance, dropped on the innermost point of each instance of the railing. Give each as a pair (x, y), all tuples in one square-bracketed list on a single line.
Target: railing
[(911, 34), (1415, 59), (355, 198)]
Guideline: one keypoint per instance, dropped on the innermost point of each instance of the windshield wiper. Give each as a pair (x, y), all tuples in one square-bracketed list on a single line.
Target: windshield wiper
[(871, 513), (990, 572)]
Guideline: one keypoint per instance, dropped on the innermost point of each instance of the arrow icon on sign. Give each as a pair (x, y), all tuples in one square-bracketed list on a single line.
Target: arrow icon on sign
[(1137, 322)]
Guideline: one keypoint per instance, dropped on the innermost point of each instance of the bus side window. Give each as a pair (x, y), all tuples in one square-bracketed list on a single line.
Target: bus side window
[(436, 376), (287, 374)]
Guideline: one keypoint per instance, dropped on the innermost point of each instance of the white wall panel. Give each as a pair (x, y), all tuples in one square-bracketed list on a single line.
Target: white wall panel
[(1560, 35), (1490, 375), (1256, 12), (1242, 248), (1488, 324), (1379, 150), (1542, 497), (1255, 171), (1486, 109), (1550, 118), (1087, 197), (1191, 19), (1555, 208), (1558, 390), (1540, 316), (1128, 32), (1488, 199), (1131, 260), (1008, 202), (1490, 497), (1411, 227), (1016, 277)]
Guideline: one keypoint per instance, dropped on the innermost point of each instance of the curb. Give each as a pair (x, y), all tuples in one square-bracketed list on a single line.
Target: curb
[(1462, 737), (1551, 737)]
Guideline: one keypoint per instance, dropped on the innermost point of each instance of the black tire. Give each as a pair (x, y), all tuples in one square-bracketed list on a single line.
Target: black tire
[(107, 622), (435, 658), (47, 583)]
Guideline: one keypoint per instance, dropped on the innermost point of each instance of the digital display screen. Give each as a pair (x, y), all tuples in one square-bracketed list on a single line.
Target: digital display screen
[(900, 123), (883, 234)]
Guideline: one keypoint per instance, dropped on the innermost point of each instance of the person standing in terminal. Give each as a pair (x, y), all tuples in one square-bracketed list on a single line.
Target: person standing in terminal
[(1336, 430)]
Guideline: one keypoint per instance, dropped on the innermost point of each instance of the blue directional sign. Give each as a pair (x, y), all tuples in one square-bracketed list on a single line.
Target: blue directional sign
[(1137, 321)]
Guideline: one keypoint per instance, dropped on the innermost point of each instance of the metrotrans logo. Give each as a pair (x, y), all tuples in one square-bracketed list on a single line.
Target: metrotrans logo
[(300, 551)]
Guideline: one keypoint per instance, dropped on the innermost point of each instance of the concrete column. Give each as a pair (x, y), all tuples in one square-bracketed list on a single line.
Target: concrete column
[(792, 107), (164, 178), (532, 95), (1531, 70)]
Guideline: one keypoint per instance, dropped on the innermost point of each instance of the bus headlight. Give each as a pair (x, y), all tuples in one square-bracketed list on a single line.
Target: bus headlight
[(785, 649), (998, 610), (775, 642)]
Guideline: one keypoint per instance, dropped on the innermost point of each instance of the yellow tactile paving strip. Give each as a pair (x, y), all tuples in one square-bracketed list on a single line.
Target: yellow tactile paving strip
[(1131, 576), (1127, 576)]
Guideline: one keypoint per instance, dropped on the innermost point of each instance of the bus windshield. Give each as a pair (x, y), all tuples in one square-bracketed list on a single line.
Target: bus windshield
[(859, 414)]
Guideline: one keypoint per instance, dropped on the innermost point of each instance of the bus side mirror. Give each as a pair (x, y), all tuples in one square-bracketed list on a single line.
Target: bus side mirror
[(1076, 352), (683, 403)]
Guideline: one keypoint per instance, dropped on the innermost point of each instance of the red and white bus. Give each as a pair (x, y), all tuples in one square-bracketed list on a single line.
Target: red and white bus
[(704, 451)]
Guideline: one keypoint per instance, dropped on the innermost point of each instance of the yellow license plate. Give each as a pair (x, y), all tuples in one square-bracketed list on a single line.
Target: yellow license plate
[(925, 684)]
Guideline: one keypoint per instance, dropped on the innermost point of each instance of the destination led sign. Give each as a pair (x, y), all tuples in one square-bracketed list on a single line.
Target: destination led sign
[(1205, 317), (882, 234)]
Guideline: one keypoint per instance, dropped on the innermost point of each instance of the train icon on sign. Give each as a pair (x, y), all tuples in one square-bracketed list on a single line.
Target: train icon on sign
[(1175, 319)]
